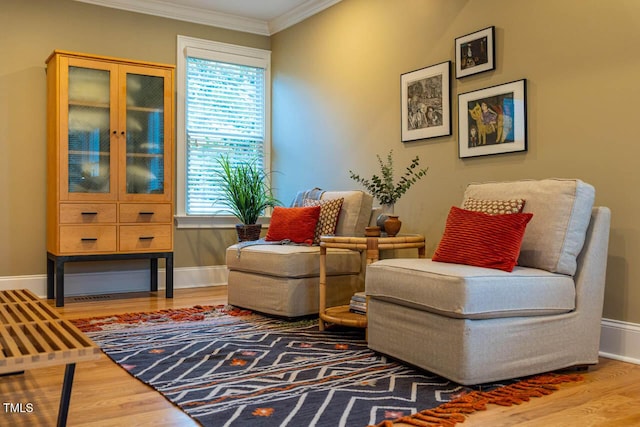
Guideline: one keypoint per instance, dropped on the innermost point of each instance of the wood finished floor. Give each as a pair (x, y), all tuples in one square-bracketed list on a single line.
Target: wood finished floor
[(105, 395)]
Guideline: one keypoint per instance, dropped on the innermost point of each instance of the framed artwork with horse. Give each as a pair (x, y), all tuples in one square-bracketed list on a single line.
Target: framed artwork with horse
[(493, 120)]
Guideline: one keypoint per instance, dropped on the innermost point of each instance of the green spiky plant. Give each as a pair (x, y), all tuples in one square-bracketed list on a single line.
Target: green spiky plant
[(246, 190), (383, 188)]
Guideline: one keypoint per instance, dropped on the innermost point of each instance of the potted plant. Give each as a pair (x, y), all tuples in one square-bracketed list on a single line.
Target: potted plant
[(383, 187), (246, 193)]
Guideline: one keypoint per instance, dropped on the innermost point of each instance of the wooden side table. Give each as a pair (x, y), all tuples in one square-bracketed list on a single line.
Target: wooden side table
[(340, 315), (33, 335)]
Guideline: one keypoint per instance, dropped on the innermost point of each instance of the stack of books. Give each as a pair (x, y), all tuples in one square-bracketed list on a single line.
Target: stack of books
[(358, 303)]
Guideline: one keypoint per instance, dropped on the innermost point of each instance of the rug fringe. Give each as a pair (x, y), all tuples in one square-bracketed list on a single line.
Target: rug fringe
[(451, 413), (195, 313)]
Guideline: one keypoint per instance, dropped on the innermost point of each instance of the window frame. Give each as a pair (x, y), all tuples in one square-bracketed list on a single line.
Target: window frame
[(225, 52)]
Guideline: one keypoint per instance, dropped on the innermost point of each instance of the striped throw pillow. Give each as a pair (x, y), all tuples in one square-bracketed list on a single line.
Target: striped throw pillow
[(482, 240)]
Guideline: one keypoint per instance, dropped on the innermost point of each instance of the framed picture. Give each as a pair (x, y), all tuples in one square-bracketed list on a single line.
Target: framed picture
[(493, 120), (475, 53), (426, 102)]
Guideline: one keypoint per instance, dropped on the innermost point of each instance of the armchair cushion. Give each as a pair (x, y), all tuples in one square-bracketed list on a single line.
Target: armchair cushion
[(355, 212), (468, 292), (292, 260), (476, 238), (555, 236)]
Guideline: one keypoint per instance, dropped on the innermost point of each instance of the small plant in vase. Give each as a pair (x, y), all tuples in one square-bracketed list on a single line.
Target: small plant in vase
[(386, 190), (246, 193)]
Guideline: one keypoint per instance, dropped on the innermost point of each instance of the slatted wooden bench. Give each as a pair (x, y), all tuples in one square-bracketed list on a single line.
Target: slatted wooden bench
[(33, 335)]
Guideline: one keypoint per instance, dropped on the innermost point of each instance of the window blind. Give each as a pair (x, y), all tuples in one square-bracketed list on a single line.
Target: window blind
[(225, 116)]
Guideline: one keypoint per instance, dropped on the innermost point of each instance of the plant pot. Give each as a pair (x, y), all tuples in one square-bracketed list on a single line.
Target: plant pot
[(386, 210), (392, 225), (248, 232)]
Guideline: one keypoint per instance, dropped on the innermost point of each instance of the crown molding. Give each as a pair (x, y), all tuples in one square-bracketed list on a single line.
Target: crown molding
[(202, 16), (189, 14), (299, 14)]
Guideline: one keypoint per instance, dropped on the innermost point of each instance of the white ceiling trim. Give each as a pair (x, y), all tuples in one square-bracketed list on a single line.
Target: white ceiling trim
[(189, 14), (218, 19), (299, 14)]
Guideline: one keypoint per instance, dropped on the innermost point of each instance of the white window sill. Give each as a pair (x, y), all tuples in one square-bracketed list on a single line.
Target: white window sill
[(212, 221)]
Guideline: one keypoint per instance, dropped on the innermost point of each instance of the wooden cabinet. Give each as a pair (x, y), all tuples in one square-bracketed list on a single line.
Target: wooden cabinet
[(109, 155)]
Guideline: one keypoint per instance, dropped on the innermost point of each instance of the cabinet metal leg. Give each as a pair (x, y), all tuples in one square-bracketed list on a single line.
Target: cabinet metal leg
[(169, 276), (51, 267), (154, 274), (65, 397), (59, 282)]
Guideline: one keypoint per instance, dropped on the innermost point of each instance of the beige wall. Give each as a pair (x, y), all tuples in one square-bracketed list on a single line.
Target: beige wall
[(29, 31), (336, 104), (336, 83)]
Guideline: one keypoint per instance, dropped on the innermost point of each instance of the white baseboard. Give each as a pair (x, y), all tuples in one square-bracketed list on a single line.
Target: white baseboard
[(619, 340), (93, 283)]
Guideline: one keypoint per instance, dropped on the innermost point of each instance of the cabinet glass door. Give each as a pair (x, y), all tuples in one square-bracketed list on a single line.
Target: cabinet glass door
[(89, 145), (145, 120)]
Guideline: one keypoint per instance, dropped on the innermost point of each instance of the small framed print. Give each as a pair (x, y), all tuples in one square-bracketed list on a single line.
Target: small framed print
[(475, 53), (426, 102), (493, 120)]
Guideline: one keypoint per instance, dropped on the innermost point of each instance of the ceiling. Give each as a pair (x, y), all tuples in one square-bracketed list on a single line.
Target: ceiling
[(265, 17)]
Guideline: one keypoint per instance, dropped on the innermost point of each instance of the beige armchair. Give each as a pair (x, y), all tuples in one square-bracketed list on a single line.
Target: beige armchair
[(475, 325), (283, 280)]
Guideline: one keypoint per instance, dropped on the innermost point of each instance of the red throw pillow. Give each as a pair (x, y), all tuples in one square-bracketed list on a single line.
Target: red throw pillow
[(482, 240), (295, 224)]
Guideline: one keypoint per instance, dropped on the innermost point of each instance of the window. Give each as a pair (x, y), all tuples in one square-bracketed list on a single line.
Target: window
[(223, 109)]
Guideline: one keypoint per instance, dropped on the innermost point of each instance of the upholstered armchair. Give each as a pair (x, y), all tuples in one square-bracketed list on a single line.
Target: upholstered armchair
[(475, 324), (283, 279)]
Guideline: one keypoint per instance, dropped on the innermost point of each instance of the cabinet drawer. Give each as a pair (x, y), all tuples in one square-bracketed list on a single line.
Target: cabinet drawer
[(87, 238), (87, 213), (146, 212), (146, 238)]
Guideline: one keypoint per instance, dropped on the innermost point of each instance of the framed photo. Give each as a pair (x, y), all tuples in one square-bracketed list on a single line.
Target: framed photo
[(475, 53), (493, 120), (426, 102)]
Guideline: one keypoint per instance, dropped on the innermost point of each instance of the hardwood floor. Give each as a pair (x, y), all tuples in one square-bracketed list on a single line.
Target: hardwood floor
[(105, 395)]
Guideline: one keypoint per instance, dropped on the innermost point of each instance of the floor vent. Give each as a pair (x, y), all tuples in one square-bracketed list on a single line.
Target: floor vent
[(91, 298)]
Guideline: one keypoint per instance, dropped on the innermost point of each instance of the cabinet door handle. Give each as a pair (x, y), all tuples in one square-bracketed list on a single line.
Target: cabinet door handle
[(145, 213), (89, 213), (145, 237), (89, 239)]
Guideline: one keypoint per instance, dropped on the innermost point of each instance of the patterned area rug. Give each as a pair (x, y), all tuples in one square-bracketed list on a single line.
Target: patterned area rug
[(228, 367)]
